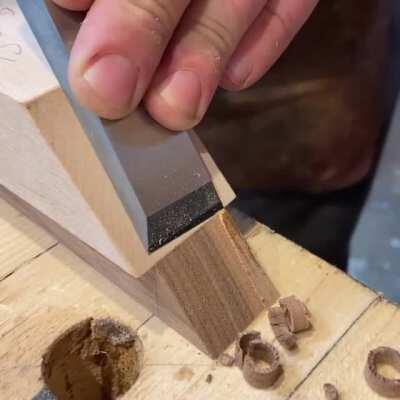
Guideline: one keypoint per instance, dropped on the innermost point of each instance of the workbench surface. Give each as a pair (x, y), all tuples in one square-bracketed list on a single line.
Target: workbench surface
[(44, 289)]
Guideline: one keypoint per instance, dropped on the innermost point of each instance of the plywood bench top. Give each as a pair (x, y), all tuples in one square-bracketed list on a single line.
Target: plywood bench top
[(44, 289)]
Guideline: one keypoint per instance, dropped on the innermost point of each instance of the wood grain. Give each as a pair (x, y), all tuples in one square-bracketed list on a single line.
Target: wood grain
[(21, 240), (42, 298), (294, 271), (378, 326)]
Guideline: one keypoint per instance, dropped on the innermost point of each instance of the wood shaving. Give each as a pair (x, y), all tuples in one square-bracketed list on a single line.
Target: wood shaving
[(243, 344), (377, 382), (331, 393), (261, 366), (296, 313), (280, 329)]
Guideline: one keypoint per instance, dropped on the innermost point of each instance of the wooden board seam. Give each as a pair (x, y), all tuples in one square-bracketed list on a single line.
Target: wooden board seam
[(28, 261), (372, 304)]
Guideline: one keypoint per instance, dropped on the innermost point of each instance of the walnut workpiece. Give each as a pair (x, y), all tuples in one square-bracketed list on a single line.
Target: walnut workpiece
[(205, 283)]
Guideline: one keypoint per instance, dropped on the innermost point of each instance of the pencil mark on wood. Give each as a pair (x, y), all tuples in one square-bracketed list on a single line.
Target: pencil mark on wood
[(10, 51), (7, 11), (15, 48)]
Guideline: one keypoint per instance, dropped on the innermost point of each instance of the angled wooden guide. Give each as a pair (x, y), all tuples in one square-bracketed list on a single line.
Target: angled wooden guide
[(49, 169)]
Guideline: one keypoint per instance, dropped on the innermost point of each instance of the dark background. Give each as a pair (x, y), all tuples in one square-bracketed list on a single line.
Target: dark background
[(357, 228)]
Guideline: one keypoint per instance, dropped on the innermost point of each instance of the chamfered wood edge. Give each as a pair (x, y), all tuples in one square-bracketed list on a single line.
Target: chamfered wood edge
[(29, 83), (58, 125), (49, 119)]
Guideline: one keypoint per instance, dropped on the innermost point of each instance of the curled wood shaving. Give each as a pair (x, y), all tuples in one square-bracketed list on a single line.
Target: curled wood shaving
[(287, 339), (377, 382), (296, 313), (243, 344), (331, 393), (280, 329), (261, 366), (276, 316)]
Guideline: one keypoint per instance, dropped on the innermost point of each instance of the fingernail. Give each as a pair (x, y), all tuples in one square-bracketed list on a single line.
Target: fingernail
[(113, 79), (238, 72), (182, 92)]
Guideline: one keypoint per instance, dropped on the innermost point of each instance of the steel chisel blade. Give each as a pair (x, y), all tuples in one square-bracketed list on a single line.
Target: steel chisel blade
[(159, 176)]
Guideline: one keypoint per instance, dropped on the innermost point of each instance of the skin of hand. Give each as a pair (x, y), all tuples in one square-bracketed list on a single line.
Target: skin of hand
[(173, 54)]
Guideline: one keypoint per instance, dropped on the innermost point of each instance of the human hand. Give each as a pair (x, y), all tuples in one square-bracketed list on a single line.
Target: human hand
[(173, 54)]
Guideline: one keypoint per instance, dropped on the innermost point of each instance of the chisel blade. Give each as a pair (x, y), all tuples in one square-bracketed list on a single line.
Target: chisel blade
[(159, 175)]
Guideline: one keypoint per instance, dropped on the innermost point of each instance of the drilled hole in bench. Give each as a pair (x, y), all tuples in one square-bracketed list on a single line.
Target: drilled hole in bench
[(95, 359)]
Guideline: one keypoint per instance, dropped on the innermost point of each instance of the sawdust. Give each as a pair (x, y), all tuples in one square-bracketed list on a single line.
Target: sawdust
[(184, 374)]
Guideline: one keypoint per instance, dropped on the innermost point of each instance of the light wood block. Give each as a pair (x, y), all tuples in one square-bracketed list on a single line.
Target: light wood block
[(47, 160)]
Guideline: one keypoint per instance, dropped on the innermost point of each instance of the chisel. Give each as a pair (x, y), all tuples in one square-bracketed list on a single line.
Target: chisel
[(159, 175)]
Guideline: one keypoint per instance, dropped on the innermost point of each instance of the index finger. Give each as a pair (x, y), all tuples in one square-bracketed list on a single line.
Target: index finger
[(263, 44)]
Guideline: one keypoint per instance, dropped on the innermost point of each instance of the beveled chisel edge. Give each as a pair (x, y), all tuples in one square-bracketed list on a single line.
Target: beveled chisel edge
[(181, 216)]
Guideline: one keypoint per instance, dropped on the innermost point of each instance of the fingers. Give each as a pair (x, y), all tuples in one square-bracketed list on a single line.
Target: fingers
[(262, 45), (118, 49), (76, 5), (122, 42), (194, 63)]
